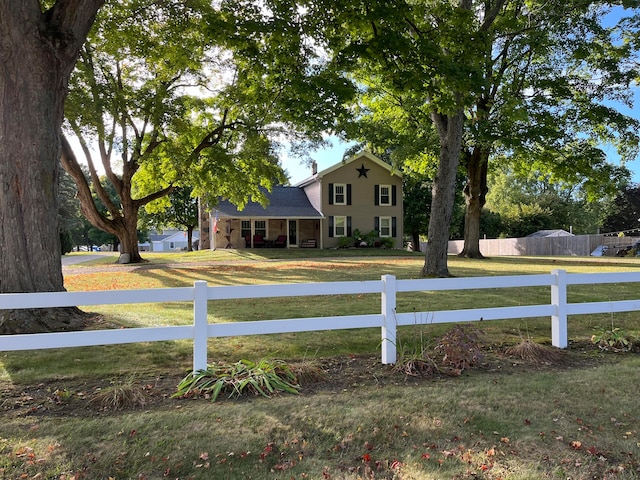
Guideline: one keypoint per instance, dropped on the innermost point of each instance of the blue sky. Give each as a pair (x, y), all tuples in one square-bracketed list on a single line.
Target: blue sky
[(325, 158)]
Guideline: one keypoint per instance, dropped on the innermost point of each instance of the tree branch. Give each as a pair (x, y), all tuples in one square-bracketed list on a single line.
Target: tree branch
[(71, 165), (67, 25), (140, 202)]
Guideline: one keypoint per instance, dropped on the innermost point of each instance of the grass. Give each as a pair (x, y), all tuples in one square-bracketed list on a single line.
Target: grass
[(512, 418)]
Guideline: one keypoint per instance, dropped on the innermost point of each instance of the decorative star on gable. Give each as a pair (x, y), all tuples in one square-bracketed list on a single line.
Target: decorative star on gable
[(362, 172)]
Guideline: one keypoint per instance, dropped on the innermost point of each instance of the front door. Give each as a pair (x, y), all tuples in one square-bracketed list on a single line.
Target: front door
[(293, 232)]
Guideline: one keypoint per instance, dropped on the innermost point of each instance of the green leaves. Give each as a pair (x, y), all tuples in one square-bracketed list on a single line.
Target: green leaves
[(241, 378), (172, 94)]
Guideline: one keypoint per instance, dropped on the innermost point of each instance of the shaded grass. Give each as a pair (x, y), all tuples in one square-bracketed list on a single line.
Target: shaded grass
[(529, 425), (508, 421)]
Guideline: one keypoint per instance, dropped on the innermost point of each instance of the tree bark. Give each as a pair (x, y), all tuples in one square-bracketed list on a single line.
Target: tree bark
[(475, 193), (449, 127), (123, 220), (37, 54), (190, 229), (415, 241)]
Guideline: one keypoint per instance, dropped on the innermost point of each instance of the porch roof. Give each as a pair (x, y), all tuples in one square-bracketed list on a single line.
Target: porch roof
[(284, 202)]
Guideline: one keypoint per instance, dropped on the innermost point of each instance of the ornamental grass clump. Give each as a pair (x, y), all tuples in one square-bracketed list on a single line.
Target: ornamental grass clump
[(238, 379), (306, 373), (119, 396), (535, 353), (414, 358)]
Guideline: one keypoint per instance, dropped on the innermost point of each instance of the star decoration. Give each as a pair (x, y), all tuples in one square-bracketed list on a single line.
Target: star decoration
[(362, 172)]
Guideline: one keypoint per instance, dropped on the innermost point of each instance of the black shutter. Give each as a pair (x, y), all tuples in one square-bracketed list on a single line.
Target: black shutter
[(348, 226), (330, 226), (376, 200), (393, 196), (348, 194), (330, 195), (394, 231), (376, 224)]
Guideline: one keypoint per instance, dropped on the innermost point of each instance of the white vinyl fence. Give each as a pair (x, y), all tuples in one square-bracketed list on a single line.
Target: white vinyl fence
[(387, 320)]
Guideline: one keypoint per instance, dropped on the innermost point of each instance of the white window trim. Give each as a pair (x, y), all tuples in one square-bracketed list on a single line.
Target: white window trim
[(344, 193), (380, 202), (335, 226), (389, 227), (256, 227)]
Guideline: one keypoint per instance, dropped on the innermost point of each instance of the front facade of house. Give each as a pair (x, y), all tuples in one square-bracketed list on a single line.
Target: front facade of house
[(361, 194)]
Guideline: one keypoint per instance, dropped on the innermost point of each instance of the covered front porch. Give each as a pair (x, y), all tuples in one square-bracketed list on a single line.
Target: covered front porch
[(242, 233), (288, 220)]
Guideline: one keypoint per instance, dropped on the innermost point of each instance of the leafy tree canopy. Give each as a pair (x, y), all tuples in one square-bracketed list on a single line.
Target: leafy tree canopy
[(177, 94)]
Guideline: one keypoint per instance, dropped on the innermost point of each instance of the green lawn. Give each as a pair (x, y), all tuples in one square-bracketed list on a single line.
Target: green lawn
[(508, 419)]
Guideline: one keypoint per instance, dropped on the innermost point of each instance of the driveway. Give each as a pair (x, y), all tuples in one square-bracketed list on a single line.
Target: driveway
[(73, 259)]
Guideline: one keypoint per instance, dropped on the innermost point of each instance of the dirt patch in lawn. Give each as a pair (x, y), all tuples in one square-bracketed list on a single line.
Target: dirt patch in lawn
[(101, 396)]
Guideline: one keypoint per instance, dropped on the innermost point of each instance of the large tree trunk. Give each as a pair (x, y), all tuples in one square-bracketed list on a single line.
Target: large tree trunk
[(37, 54), (443, 193), (415, 241), (475, 193), (190, 237), (128, 237)]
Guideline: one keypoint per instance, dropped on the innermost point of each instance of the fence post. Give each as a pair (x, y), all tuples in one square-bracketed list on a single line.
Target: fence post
[(389, 354), (200, 325), (559, 336)]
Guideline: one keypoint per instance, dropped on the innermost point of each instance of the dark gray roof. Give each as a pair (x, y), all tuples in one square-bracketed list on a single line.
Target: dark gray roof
[(157, 237), (284, 202)]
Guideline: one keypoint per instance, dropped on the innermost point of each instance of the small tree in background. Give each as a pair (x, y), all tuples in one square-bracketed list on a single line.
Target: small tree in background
[(178, 210), (624, 211)]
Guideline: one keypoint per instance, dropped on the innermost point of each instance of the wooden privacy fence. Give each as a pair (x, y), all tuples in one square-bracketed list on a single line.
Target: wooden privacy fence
[(578, 245), (387, 320)]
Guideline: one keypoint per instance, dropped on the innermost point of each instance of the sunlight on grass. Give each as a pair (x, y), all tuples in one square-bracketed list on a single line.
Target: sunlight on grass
[(506, 419), (242, 268)]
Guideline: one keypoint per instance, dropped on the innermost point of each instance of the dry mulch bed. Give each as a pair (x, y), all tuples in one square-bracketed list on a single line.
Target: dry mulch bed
[(81, 396)]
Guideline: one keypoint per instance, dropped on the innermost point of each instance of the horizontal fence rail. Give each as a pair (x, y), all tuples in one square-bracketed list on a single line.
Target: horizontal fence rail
[(387, 320)]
